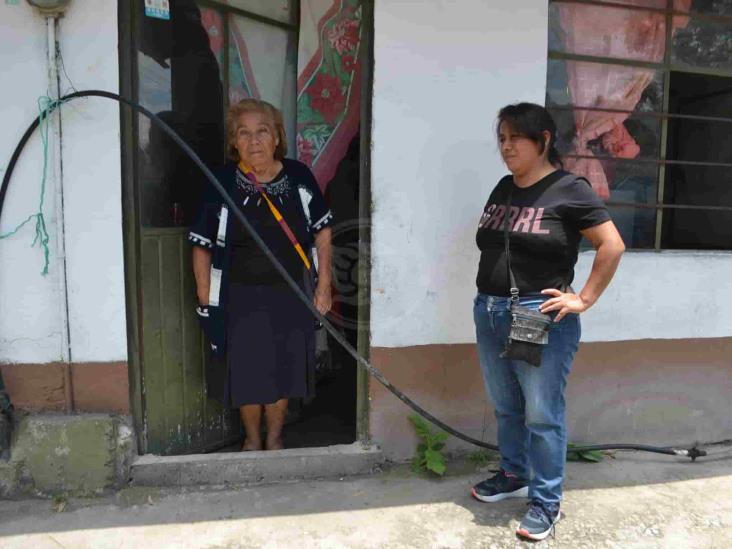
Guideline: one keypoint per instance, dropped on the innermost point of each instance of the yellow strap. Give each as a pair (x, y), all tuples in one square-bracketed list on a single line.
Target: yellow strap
[(278, 216)]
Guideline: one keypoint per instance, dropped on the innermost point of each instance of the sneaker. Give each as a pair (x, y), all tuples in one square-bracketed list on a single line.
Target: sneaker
[(500, 486), (539, 520)]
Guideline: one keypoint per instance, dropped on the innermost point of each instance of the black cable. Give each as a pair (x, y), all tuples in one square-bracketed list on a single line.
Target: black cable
[(14, 160), (712, 453), (692, 452)]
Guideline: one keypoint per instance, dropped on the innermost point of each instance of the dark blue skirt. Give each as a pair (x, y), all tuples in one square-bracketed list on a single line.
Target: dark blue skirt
[(271, 345)]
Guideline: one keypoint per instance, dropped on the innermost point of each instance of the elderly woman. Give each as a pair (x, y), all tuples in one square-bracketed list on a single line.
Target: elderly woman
[(252, 318)]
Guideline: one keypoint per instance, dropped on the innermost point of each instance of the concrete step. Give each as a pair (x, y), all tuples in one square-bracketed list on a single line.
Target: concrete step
[(256, 467), (79, 454)]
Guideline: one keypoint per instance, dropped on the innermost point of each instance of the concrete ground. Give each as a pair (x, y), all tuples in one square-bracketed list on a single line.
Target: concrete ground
[(634, 500)]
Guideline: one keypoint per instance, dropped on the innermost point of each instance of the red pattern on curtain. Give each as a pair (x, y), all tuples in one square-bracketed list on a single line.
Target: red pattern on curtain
[(242, 83), (328, 84), (615, 33)]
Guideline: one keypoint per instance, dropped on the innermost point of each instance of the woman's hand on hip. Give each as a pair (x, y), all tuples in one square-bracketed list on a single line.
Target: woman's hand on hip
[(322, 299), (565, 303)]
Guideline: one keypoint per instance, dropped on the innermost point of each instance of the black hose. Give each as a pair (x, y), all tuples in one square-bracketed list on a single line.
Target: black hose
[(14, 159), (692, 452)]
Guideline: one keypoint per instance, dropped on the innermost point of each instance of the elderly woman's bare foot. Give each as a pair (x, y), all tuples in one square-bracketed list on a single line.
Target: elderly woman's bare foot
[(251, 446), (275, 444)]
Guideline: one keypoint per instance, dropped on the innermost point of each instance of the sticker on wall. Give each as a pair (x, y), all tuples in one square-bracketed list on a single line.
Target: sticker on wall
[(160, 9), (12, 2)]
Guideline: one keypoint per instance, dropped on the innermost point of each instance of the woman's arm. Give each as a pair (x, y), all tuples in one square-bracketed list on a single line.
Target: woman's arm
[(202, 272), (322, 299), (609, 247)]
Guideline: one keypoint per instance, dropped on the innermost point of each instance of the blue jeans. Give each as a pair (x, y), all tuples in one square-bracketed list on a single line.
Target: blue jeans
[(529, 401)]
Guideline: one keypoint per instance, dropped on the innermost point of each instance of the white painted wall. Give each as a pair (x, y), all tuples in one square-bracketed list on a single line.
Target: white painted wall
[(30, 323), (92, 178), (441, 73), (30, 329), (666, 295)]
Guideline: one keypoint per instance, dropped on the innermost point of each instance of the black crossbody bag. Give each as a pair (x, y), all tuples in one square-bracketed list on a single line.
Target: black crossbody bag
[(529, 329)]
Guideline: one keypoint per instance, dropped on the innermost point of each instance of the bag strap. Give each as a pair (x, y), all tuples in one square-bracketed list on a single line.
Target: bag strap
[(277, 215), (513, 290)]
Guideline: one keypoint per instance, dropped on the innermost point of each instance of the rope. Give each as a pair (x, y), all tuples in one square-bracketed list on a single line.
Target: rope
[(45, 106)]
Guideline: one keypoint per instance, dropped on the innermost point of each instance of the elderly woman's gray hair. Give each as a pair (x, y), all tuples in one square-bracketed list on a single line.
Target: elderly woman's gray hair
[(272, 113)]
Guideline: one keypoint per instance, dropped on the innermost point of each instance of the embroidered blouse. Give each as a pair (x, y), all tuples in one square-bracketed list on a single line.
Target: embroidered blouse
[(236, 257)]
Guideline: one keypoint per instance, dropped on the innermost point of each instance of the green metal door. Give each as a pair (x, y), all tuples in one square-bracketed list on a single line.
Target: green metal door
[(179, 417), (178, 77)]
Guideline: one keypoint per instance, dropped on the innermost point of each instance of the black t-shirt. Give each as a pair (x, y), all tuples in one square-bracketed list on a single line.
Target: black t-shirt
[(249, 265), (545, 219)]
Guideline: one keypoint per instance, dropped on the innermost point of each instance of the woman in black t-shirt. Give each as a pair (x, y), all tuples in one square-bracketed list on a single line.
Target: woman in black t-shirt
[(251, 316), (550, 211)]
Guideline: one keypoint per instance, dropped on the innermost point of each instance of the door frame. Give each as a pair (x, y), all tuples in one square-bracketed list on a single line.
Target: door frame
[(364, 214), (128, 83)]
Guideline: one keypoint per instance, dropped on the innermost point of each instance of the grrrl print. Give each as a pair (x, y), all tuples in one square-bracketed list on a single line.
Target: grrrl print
[(524, 220)]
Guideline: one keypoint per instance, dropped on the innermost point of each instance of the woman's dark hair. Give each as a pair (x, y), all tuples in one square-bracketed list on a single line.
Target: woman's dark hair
[(531, 121)]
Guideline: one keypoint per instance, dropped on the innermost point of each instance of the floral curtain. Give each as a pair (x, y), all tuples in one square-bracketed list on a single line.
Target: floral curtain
[(328, 83), (243, 82), (615, 33)]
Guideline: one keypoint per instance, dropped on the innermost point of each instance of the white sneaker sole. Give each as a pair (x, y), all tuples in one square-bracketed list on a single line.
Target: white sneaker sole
[(520, 493), (540, 536)]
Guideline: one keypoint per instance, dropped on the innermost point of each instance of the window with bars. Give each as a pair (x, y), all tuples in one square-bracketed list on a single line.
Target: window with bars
[(642, 94)]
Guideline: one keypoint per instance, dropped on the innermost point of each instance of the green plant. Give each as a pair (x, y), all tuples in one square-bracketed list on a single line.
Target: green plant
[(429, 456), (594, 456)]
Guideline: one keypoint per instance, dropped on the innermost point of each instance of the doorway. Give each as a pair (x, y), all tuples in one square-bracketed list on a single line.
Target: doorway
[(187, 65)]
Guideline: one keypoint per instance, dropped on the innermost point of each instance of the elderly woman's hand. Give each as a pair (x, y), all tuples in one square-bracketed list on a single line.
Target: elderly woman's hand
[(322, 299)]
